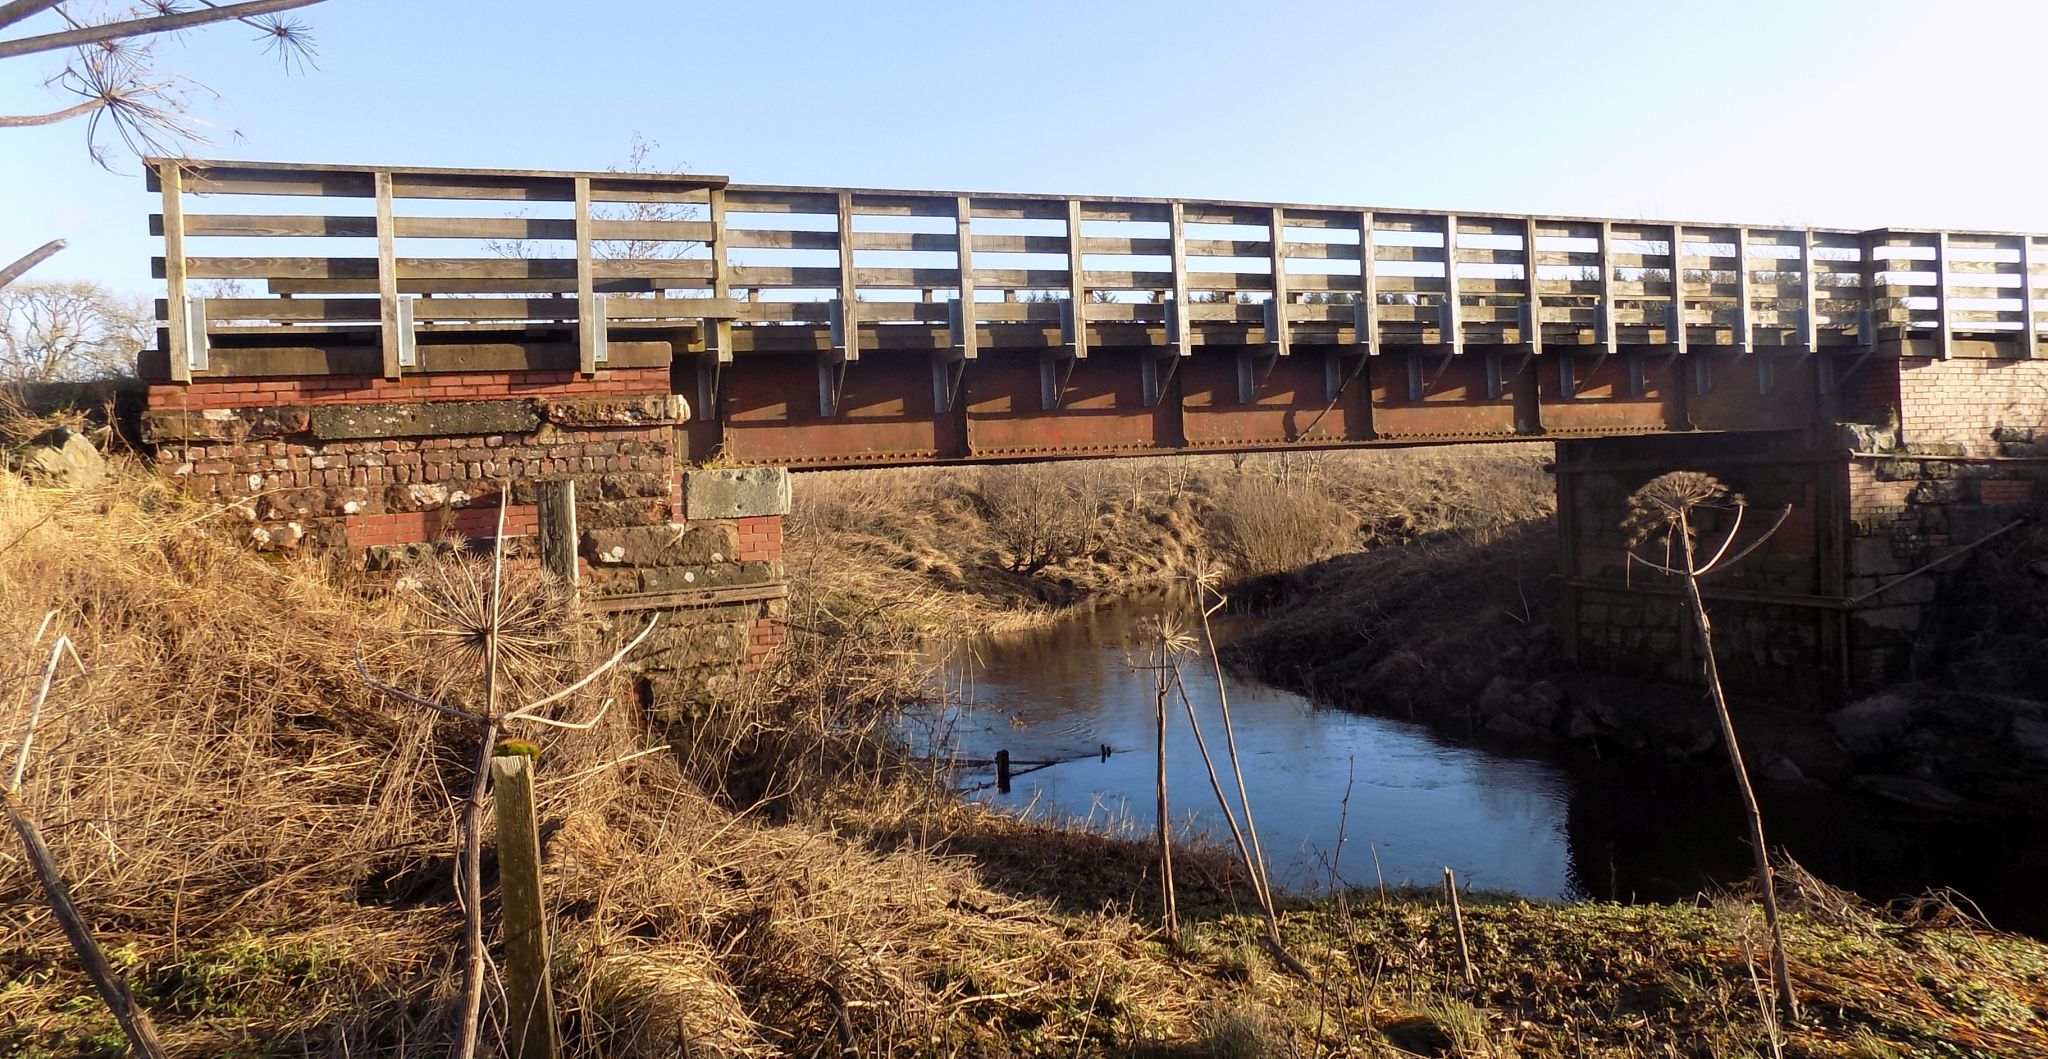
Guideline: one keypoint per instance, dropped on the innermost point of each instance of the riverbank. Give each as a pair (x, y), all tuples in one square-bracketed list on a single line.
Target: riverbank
[(263, 845)]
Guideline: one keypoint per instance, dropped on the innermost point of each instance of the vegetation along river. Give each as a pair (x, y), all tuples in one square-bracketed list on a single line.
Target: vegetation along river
[(1636, 829)]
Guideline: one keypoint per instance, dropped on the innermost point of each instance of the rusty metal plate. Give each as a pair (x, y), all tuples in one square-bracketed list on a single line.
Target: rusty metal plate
[(772, 413), (1101, 411), (1736, 399), (1290, 400), (1601, 402), (1455, 406)]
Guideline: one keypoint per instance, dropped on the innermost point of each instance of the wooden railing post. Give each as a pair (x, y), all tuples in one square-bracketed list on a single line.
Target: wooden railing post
[(1279, 334), (176, 324), (1607, 331), (969, 338), (1183, 338), (387, 277), (1745, 334), (589, 318), (1077, 280), (721, 282), (1676, 336), (530, 1031), (849, 281), (2029, 346), (1453, 331), (1944, 335), (1368, 316)]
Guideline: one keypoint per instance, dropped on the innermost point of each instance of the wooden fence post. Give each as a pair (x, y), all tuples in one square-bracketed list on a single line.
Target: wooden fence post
[(530, 1031)]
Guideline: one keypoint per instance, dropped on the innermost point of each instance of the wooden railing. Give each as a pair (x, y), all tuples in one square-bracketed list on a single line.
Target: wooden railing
[(664, 251)]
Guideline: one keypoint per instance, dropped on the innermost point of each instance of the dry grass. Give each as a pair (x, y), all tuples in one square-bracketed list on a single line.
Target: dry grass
[(264, 848), (953, 551)]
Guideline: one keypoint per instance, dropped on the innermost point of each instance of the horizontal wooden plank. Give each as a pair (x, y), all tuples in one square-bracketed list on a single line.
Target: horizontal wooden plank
[(642, 231), (269, 224), (776, 239), (1029, 244), (445, 268), (931, 242)]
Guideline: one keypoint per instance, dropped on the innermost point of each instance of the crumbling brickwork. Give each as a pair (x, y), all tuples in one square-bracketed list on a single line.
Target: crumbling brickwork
[(374, 471)]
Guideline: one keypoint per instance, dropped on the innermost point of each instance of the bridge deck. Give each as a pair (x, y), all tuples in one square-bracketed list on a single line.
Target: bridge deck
[(836, 325)]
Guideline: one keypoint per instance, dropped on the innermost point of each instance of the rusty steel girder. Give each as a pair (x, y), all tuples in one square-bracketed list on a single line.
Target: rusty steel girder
[(808, 408)]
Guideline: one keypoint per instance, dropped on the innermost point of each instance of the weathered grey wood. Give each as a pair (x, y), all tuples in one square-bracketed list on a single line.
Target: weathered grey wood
[(1532, 290), (1809, 326), (721, 277), (1453, 330), (2029, 345), (1608, 343), (1279, 334), (1675, 330), (1368, 285), (1944, 342), (588, 322), (530, 1030), (171, 178), (967, 343), (387, 279), (1077, 281), (1745, 325), (556, 501), (1183, 338), (848, 279)]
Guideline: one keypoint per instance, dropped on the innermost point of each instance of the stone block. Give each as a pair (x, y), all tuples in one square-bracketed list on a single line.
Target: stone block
[(610, 514), (652, 410), (715, 575), (735, 493), (670, 545), (422, 420)]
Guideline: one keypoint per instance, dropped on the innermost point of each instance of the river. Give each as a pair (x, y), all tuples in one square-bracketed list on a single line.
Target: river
[(1356, 798)]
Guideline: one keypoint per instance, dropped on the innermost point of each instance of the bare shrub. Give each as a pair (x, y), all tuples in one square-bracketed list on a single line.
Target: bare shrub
[(1039, 514), (1263, 526)]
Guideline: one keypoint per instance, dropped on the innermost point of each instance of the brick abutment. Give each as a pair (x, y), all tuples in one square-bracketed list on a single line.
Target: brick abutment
[(380, 473)]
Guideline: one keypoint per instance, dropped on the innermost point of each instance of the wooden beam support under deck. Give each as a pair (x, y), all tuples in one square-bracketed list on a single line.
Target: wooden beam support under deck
[(588, 319), (388, 322), (180, 329)]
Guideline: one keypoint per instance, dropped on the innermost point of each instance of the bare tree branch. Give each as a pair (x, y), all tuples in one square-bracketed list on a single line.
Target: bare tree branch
[(143, 27), (25, 121), (30, 260), (15, 10)]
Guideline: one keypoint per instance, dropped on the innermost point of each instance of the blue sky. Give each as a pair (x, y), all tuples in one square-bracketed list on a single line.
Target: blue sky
[(1839, 114)]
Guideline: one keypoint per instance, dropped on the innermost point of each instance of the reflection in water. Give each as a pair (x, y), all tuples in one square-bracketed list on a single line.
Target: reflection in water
[(1420, 804), (1635, 829)]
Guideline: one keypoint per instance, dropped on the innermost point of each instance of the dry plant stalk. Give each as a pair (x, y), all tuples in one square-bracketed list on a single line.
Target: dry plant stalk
[(1663, 508), (135, 1024), (1245, 835), (1161, 685), (477, 623)]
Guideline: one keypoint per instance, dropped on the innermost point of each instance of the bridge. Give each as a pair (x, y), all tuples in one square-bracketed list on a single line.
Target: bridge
[(627, 365), (843, 327)]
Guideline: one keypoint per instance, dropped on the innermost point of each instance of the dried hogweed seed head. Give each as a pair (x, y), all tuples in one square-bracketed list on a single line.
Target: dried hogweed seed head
[(1664, 500)]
